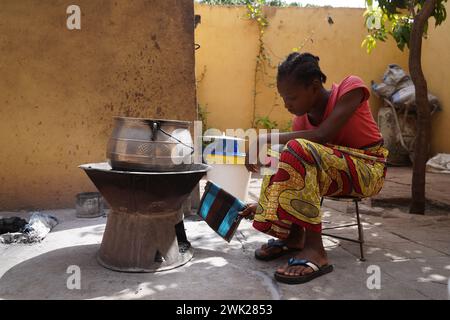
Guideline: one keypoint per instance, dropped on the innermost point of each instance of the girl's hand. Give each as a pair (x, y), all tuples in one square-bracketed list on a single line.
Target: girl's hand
[(252, 167), (261, 141), (249, 211)]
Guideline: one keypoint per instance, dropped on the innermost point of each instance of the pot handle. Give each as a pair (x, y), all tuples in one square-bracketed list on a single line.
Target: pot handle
[(155, 128)]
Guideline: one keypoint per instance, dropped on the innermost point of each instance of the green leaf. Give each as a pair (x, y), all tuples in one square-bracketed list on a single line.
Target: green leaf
[(370, 43)]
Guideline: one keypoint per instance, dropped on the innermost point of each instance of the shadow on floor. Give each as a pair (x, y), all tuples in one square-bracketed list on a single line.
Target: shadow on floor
[(47, 277)]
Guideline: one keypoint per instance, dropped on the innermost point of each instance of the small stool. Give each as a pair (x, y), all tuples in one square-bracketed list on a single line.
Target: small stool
[(360, 239)]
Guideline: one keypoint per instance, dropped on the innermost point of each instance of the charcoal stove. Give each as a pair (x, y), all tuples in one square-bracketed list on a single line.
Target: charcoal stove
[(145, 191), (145, 207)]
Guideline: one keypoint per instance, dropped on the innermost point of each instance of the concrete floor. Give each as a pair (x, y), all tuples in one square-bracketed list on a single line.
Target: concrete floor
[(412, 253)]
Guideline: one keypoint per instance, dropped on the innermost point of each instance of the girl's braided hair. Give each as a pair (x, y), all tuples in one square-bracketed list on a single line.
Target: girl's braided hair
[(301, 67)]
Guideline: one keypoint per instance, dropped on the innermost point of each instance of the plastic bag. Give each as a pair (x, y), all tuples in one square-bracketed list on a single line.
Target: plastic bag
[(38, 227), (439, 163)]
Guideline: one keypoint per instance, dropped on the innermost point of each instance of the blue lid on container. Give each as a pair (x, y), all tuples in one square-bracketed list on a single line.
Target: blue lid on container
[(227, 146)]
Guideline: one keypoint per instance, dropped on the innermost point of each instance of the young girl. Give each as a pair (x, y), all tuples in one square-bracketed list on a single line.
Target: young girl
[(335, 149)]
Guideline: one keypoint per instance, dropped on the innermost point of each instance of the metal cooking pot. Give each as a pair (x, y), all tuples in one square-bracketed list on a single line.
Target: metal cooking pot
[(138, 144)]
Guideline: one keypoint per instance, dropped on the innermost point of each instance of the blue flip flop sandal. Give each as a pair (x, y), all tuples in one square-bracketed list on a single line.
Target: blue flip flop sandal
[(271, 244), (297, 279)]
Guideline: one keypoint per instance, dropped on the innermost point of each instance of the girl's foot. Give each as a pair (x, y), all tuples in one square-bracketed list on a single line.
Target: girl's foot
[(312, 261), (277, 248), (316, 257), (274, 249)]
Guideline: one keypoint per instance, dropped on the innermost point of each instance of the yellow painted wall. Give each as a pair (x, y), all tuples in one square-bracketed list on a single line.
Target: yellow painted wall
[(224, 65), (436, 67), (226, 61), (59, 89), (229, 45)]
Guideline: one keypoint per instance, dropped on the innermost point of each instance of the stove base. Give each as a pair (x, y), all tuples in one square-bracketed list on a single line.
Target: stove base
[(158, 267), (136, 242)]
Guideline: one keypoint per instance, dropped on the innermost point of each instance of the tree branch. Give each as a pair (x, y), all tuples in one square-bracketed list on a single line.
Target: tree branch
[(417, 29)]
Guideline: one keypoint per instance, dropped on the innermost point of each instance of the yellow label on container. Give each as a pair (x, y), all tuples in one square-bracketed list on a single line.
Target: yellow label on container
[(222, 159)]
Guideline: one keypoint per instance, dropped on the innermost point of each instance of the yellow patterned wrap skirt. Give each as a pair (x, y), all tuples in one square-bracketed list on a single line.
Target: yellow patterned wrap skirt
[(307, 171)]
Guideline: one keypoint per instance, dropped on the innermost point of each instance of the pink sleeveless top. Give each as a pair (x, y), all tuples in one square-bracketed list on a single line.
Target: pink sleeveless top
[(360, 130)]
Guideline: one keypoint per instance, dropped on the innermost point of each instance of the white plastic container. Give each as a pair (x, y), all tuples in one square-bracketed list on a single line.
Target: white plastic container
[(227, 161), (233, 178)]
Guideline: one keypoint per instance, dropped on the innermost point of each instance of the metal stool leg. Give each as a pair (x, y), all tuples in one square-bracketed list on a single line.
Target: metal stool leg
[(360, 232), (360, 240)]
